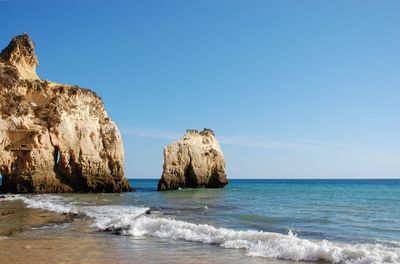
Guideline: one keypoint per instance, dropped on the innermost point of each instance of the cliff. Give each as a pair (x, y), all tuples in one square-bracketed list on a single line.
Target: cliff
[(53, 137), (194, 161)]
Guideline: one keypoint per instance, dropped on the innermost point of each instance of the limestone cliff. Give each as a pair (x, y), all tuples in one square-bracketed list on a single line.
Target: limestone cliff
[(194, 161), (53, 137)]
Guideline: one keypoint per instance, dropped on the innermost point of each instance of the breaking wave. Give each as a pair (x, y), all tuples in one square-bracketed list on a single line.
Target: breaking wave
[(134, 221)]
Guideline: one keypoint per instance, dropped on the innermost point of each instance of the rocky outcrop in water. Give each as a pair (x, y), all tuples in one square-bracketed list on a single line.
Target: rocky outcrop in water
[(53, 137), (194, 161)]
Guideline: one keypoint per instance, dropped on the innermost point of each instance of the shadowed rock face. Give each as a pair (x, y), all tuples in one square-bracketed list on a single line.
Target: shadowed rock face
[(194, 161), (53, 137)]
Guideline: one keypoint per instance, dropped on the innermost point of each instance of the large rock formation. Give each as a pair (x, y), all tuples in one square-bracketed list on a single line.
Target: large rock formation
[(53, 137), (194, 161)]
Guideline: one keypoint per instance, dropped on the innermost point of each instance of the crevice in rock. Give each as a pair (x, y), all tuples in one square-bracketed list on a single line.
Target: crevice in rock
[(58, 167), (214, 181), (191, 180), (56, 158)]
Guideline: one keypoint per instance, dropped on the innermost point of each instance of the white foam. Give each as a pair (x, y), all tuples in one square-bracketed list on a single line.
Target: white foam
[(263, 244), (113, 217), (46, 202), (130, 220)]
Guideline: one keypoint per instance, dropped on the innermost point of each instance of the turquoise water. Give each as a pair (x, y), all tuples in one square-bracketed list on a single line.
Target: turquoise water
[(342, 210), (336, 221)]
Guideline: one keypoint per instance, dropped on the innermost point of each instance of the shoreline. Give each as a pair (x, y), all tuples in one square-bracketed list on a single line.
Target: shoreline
[(198, 225), (36, 238)]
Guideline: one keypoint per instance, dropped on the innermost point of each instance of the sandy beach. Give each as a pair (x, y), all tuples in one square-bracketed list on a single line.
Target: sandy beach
[(206, 226), (37, 236)]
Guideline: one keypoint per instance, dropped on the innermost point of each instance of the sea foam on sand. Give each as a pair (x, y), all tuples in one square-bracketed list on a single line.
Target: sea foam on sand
[(133, 221)]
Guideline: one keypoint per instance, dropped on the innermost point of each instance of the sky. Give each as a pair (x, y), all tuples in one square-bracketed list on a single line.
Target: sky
[(292, 89)]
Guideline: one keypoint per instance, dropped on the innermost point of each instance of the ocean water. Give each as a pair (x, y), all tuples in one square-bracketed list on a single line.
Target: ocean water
[(254, 221)]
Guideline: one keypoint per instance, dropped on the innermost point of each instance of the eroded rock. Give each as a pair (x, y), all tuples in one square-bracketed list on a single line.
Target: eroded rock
[(53, 137), (194, 161), (20, 53)]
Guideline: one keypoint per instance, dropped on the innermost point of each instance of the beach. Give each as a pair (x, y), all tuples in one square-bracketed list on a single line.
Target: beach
[(318, 221), (41, 236)]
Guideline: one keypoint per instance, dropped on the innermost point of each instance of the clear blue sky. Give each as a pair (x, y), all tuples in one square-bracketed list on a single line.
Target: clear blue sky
[(292, 89)]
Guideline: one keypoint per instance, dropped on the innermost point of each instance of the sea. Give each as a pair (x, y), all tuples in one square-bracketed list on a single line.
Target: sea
[(249, 221)]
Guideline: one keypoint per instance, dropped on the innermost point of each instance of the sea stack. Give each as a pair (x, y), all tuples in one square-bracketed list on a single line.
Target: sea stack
[(194, 161), (53, 137)]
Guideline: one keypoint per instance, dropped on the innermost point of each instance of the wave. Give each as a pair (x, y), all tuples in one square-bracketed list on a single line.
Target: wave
[(134, 221)]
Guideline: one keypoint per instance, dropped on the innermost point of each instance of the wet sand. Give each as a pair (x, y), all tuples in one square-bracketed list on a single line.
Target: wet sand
[(15, 218), (102, 250)]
